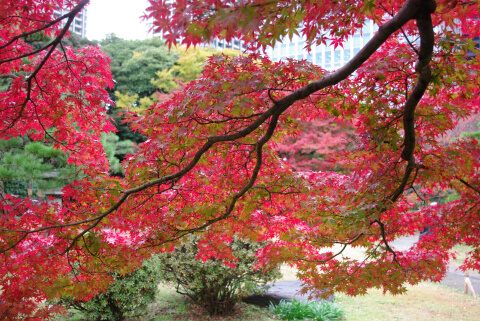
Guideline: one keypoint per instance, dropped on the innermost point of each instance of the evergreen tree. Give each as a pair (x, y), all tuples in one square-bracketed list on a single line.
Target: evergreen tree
[(28, 167)]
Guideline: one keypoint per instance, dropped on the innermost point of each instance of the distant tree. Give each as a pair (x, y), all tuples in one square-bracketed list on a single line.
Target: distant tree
[(462, 128), (314, 145), (138, 71), (116, 151), (35, 166), (135, 62), (188, 67), (163, 83)]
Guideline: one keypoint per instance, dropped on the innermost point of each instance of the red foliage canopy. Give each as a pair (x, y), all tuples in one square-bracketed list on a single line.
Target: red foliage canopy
[(210, 164), (316, 145)]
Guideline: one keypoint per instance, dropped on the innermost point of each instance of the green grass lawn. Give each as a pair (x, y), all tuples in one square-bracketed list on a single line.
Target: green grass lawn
[(423, 302)]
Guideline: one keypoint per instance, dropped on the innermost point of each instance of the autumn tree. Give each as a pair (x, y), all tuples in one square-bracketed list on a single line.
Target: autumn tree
[(317, 145), (209, 165)]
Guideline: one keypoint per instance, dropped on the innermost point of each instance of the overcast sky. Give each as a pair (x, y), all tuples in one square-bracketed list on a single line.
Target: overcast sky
[(121, 17)]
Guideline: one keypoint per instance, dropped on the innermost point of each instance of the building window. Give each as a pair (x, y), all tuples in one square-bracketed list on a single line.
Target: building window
[(291, 50), (328, 56), (346, 55), (347, 45), (366, 37), (276, 51), (318, 57), (357, 41), (328, 59), (366, 26), (338, 56)]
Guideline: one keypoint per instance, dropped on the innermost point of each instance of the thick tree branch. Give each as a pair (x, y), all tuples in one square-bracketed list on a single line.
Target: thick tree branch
[(425, 27)]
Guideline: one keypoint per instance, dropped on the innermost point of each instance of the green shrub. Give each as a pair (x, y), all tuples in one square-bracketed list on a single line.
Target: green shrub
[(127, 297), (298, 310), (211, 284)]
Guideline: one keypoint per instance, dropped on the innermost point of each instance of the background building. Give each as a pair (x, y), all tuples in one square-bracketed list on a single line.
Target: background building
[(324, 55), (79, 24), (216, 43)]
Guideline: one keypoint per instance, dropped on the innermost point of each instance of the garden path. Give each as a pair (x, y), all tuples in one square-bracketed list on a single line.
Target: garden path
[(288, 290)]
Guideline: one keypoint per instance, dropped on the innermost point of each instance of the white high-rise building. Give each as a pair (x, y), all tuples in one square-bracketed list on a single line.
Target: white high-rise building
[(79, 24), (216, 43), (324, 56)]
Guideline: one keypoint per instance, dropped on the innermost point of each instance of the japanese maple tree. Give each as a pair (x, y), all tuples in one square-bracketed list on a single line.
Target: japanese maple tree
[(317, 144), (209, 164)]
